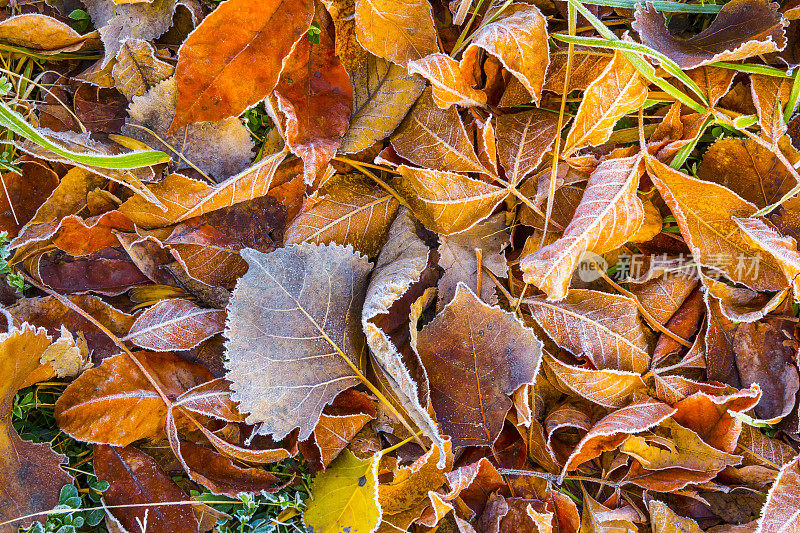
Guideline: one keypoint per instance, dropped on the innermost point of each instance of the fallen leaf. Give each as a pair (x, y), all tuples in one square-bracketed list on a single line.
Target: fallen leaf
[(460, 349), (411, 483), (605, 328), (436, 139), (309, 297), (400, 31), (446, 202), (518, 38), (727, 38), (137, 479), (609, 214), (345, 496), (209, 87), (32, 479), (175, 324), (770, 96), (115, 403), (665, 520), (347, 209), (609, 388), (137, 69), (315, 95), (619, 90), (450, 85), (43, 34), (523, 139), (780, 513), (382, 95)]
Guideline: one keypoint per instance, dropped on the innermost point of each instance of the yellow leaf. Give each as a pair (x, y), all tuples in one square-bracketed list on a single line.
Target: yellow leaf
[(345, 496)]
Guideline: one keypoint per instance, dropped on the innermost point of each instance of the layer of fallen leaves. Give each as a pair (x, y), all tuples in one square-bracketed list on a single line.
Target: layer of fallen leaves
[(478, 267)]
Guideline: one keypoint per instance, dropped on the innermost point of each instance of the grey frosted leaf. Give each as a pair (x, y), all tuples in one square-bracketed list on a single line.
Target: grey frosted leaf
[(293, 333)]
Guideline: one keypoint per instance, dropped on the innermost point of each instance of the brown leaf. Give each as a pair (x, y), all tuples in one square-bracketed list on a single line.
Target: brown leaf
[(780, 513), (137, 70), (186, 198), (436, 139), (220, 148), (714, 82), (612, 430), (315, 95), (743, 28), (587, 65), (770, 96), (136, 479), (603, 327), (457, 256), (609, 388), (763, 235), (211, 399), (522, 140), (616, 92), (209, 84), (411, 483), (460, 349), (450, 85), (763, 357), (30, 472), (400, 266), (347, 209), (518, 38), (294, 340), (665, 520), (22, 195), (115, 404), (382, 95), (707, 226), (609, 214), (400, 31), (748, 169), (175, 324), (445, 202), (43, 34)]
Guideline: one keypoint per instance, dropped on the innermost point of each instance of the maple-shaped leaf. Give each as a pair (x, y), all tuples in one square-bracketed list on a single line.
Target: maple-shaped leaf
[(114, 403), (619, 90), (397, 30), (743, 28), (609, 388), (210, 86), (346, 209), (476, 355), (436, 139), (314, 94), (293, 333), (449, 83), (445, 202), (399, 266), (345, 496), (706, 223), (522, 140), (603, 327), (383, 92), (518, 38), (137, 484), (175, 324), (137, 69), (30, 472), (612, 430), (609, 214)]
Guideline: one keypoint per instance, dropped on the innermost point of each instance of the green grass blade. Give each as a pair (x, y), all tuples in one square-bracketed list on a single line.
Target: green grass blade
[(683, 154), (791, 105), (754, 69), (661, 5), (16, 123), (666, 63)]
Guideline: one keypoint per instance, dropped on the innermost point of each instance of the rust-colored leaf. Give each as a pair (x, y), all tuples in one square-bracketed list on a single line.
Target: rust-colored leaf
[(397, 30), (210, 86), (461, 349), (175, 324)]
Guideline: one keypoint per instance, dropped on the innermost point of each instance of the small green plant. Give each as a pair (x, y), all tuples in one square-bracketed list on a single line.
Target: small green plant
[(314, 32), (14, 279), (70, 522), (81, 19)]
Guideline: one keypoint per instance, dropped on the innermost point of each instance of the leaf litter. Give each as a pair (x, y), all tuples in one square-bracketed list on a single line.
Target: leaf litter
[(382, 265)]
